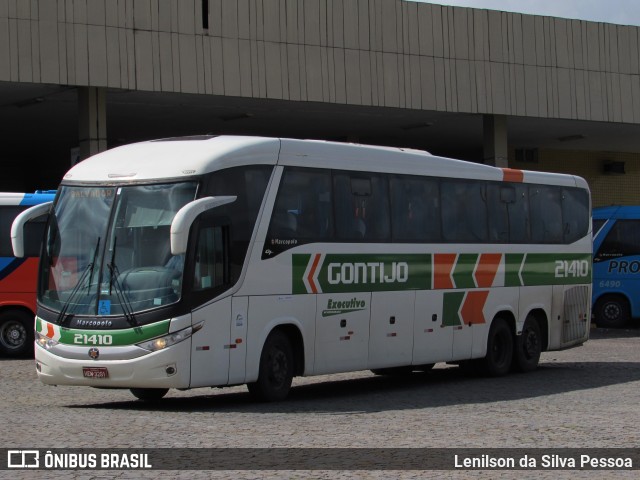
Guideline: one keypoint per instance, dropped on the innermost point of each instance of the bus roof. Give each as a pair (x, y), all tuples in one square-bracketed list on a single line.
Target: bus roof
[(186, 157), (616, 211), (27, 199)]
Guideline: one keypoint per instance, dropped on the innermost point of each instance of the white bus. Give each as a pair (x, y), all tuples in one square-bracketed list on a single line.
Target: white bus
[(213, 261)]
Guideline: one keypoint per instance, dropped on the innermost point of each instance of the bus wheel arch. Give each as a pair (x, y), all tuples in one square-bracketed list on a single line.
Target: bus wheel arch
[(282, 358), (16, 331), (612, 310), (531, 342)]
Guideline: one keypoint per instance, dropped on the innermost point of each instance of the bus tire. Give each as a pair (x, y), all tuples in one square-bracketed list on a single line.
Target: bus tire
[(499, 349), (149, 394), (528, 347), (394, 371), (612, 311), (16, 333), (275, 371)]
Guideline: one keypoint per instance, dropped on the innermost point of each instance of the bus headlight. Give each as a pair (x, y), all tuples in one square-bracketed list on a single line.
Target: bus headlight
[(161, 343), (45, 342)]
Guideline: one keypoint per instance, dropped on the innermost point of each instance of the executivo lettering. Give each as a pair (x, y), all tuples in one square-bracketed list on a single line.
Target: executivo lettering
[(344, 306)]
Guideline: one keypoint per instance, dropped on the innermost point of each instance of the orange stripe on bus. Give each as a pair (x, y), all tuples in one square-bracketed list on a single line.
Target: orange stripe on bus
[(487, 269), (50, 331), (471, 311), (312, 272), (512, 175), (442, 267)]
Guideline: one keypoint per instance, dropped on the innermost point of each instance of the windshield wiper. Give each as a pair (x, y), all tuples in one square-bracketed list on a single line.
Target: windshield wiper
[(87, 272), (114, 273)]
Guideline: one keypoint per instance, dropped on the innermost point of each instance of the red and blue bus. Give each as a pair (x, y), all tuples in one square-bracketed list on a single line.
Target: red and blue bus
[(18, 275)]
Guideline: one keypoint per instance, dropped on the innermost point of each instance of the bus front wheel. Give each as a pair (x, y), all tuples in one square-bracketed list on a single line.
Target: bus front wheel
[(499, 349), (612, 311), (275, 371), (16, 333), (149, 394)]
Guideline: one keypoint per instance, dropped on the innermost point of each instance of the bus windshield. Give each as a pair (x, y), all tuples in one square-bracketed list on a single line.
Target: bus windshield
[(107, 250)]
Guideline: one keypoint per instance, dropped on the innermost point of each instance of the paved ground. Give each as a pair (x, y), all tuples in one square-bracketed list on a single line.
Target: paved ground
[(584, 397)]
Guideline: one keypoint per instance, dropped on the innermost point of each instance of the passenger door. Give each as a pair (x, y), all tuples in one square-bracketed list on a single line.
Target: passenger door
[(210, 277)]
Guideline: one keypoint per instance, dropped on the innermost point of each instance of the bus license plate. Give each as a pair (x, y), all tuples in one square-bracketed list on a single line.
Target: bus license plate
[(95, 372)]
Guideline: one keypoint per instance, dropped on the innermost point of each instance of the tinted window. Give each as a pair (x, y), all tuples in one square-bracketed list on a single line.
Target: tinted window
[(508, 212), (575, 214), (464, 211), (415, 209), (361, 205), (210, 266), (622, 240), (249, 185), (7, 216), (315, 205), (545, 208), (33, 232), (303, 210)]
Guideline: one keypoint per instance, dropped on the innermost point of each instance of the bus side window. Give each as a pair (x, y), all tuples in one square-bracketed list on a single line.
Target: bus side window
[(7, 216), (415, 209), (34, 233), (622, 240), (575, 214), (361, 203), (302, 212), (464, 211), (211, 266), (546, 214), (508, 213)]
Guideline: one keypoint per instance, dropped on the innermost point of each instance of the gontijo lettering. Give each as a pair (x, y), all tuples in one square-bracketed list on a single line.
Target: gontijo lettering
[(347, 273), (371, 272)]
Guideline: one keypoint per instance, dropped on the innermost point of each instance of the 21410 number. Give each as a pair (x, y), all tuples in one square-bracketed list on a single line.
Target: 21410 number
[(95, 339)]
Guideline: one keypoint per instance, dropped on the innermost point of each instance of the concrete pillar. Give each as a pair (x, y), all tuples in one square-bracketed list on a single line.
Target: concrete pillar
[(495, 141), (92, 121)]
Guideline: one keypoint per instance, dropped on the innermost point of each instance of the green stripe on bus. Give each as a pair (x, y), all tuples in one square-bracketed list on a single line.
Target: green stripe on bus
[(451, 308), (463, 270), (128, 336), (342, 273), (549, 269), (513, 261)]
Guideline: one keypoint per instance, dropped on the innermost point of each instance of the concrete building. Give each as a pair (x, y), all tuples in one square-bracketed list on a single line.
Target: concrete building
[(79, 76)]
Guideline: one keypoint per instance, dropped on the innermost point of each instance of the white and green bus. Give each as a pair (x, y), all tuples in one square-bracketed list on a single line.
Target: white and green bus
[(213, 261)]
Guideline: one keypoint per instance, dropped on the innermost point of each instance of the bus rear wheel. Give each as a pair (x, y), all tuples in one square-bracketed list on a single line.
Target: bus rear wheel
[(16, 333), (499, 349), (149, 394), (612, 311), (528, 347), (275, 371)]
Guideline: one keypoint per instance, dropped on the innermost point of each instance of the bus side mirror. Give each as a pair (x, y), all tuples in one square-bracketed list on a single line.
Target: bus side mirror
[(185, 217), (17, 228)]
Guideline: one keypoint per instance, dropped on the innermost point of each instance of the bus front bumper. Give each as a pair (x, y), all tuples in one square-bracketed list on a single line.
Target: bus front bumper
[(168, 368)]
